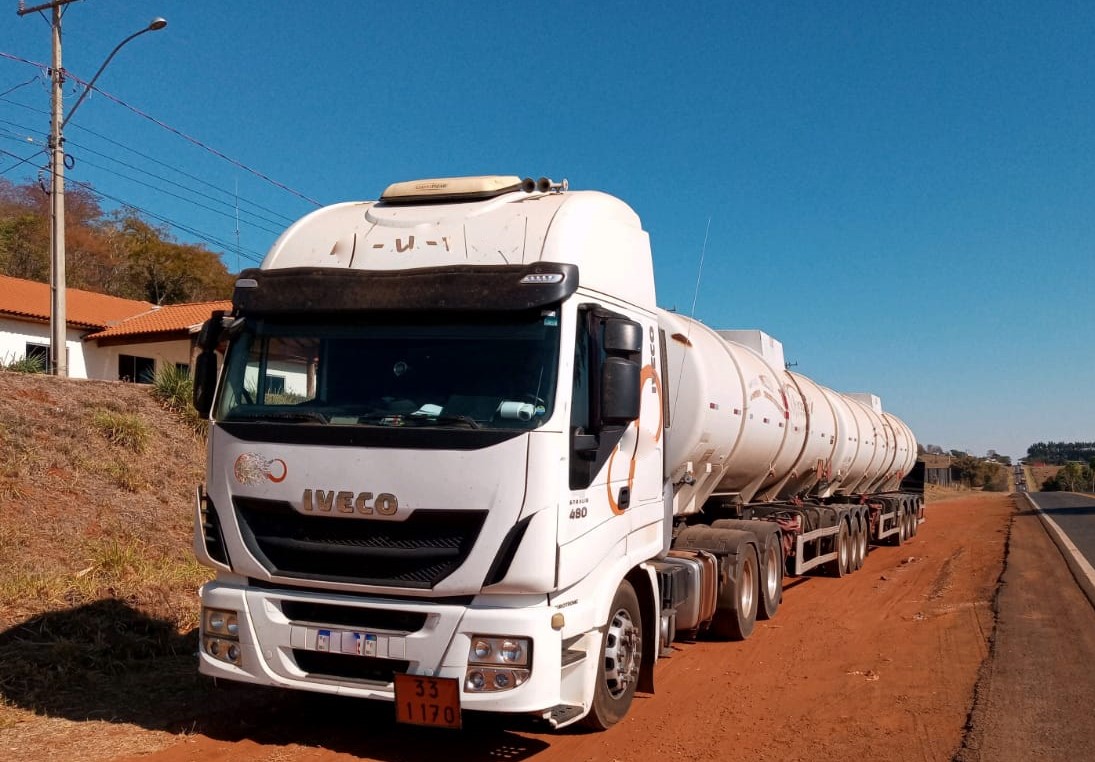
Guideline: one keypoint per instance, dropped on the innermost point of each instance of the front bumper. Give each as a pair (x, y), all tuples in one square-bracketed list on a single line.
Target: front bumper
[(352, 646)]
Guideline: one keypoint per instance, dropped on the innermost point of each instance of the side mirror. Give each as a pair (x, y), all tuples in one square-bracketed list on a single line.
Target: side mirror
[(620, 389), (205, 366), (623, 337), (205, 381)]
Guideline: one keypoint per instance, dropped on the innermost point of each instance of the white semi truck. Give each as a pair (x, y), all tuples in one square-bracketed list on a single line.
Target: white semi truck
[(459, 460)]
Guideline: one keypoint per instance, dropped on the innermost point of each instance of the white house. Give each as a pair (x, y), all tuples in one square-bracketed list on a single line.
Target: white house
[(108, 338)]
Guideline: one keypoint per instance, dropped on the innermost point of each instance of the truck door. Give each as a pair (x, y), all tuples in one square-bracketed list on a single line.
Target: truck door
[(616, 445)]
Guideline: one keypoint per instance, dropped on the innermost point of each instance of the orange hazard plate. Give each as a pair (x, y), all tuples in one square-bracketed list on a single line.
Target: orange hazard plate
[(427, 700)]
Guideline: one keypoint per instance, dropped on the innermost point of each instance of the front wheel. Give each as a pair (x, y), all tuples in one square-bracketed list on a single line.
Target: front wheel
[(621, 659)]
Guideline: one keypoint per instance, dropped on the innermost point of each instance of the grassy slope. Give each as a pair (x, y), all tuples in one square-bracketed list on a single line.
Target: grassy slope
[(98, 603)]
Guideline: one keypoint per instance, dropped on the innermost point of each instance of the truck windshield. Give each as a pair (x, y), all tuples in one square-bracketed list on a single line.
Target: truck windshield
[(461, 371)]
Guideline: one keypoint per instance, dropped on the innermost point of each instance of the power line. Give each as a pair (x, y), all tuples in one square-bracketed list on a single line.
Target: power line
[(252, 255), (283, 221), (277, 230), (232, 214), (175, 195), (200, 144), (11, 90), (286, 219), (18, 163), (180, 226), (171, 129)]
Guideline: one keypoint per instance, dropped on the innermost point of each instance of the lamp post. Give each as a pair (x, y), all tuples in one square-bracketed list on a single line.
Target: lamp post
[(58, 350)]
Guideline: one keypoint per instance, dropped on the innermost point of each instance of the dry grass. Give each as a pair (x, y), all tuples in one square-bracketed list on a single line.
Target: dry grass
[(1036, 475), (98, 603)]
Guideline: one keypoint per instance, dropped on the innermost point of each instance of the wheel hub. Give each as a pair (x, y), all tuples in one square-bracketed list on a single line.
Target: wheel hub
[(623, 653)]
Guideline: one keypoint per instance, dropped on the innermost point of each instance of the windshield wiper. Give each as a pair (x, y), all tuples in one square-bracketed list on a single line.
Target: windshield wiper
[(280, 415), (443, 420), (410, 419)]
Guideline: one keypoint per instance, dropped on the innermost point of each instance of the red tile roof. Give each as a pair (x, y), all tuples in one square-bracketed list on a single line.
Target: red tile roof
[(171, 318), (83, 309)]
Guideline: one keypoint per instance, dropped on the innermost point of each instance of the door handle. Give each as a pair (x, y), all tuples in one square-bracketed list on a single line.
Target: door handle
[(623, 498)]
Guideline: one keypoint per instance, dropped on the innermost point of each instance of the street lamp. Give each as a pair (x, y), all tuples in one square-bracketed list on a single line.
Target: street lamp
[(57, 322)]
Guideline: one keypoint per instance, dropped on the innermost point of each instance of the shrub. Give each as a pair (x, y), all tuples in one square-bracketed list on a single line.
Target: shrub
[(26, 364), (174, 388), (123, 429)]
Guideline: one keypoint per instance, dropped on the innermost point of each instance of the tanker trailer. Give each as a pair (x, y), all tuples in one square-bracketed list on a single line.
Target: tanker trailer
[(773, 473)]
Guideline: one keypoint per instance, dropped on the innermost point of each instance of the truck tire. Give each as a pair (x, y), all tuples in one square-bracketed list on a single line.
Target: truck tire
[(896, 538), (914, 522), (864, 540), (621, 658), (736, 610), (770, 577), (838, 567), (856, 533)]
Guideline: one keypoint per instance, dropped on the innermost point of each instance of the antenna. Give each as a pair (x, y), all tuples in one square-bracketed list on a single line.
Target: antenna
[(692, 315)]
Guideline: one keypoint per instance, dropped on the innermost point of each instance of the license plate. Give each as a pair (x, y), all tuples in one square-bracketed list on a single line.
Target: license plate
[(427, 700)]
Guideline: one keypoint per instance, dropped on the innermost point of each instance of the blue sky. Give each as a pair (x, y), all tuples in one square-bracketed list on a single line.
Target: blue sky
[(902, 193)]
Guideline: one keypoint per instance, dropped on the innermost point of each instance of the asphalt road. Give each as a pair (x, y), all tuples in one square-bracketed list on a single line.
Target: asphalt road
[(1034, 696), (1074, 514)]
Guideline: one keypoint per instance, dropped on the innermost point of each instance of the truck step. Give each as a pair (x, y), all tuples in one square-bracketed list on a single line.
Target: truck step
[(562, 714)]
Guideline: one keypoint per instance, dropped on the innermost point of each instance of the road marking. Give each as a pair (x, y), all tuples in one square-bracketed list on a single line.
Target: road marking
[(1064, 541)]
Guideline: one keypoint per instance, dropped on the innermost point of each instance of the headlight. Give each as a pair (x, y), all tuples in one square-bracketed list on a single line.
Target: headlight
[(512, 652), (220, 635), (481, 650), (220, 622), (497, 663), (488, 650)]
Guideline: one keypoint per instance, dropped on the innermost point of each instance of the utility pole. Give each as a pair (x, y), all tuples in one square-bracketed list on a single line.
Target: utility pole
[(58, 325), (58, 350)]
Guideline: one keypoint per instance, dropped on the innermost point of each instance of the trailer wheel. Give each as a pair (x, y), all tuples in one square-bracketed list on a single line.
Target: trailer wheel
[(856, 534), (771, 577), (736, 610), (839, 566), (864, 539), (914, 522), (902, 527), (621, 657)]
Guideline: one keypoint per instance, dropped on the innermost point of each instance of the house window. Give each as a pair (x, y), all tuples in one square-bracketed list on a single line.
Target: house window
[(183, 368), (275, 384), (38, 351), (138, 369)]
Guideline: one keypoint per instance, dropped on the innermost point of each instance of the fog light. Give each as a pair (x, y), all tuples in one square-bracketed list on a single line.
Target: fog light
[(476, 681), (234, 653), (501, 680), (214, 647)]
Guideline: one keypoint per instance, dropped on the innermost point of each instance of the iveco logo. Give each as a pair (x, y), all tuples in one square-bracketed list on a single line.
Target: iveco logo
[(361, 503)]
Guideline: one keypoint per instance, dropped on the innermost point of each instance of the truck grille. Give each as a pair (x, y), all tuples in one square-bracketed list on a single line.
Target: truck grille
[(418, 552)]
